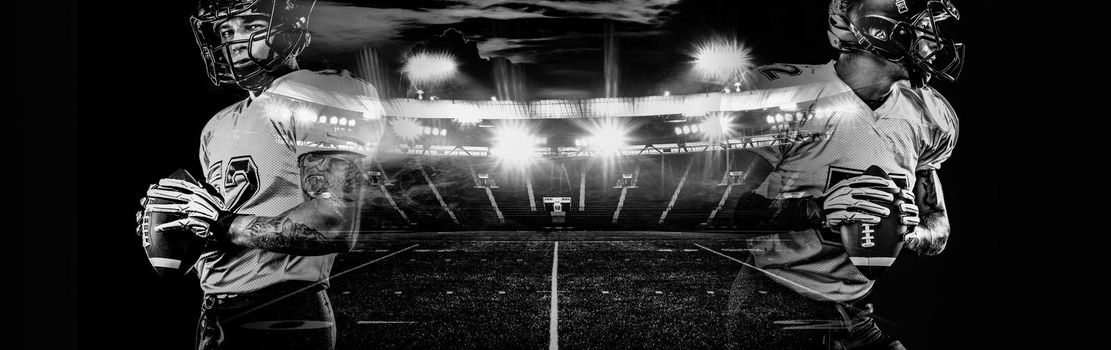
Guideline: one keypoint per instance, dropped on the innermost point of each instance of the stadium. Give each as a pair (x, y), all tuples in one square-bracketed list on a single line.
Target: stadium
[(598, 164)]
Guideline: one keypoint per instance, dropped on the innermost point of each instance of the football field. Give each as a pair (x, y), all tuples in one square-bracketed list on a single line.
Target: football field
[(574, 290)]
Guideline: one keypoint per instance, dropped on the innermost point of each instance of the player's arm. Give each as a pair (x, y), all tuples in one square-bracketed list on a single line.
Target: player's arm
[(932, 232), (325, 223), (852, 200), (757, 212)]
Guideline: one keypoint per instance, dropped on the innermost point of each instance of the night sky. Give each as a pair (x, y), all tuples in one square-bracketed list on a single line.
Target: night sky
[(142, 99), (560, 44)]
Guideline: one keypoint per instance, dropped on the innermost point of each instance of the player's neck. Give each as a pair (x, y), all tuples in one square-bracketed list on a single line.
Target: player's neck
[(870, 78)]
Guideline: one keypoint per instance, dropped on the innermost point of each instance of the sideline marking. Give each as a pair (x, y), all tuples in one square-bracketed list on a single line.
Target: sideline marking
[(553, 324)]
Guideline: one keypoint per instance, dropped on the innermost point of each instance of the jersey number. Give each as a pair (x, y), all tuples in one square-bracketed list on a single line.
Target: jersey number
[(239, 180), (772, 72)]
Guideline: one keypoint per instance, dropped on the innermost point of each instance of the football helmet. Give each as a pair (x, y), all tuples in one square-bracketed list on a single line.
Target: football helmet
[(841, 37), (911, 33), (285, 36)]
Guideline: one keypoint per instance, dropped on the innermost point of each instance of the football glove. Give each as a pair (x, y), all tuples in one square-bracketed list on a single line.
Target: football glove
[(854, 200), (201, 206)]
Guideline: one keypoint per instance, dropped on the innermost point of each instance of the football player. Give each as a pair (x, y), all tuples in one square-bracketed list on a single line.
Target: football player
[(286, 167), (869, 106)]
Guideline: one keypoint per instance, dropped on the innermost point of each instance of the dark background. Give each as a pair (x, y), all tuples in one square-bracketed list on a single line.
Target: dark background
[(141, 100)]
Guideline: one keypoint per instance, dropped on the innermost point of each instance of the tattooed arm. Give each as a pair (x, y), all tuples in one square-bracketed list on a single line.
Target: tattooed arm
[(325, 223), (932, 233)]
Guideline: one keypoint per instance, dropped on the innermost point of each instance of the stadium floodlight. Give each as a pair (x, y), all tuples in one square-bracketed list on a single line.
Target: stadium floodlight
[(322, 120), (513, 145), (607, 137), (717, 126), (429, 68), (778, 118), (333, 120), (667, 93), (406, 129), (305, 114), (686, 129), (443, 132), (695, 128), (351, 122), (721, 60), (678, 130), (771, 120), (435, 131), (426, 130), (578, 143)]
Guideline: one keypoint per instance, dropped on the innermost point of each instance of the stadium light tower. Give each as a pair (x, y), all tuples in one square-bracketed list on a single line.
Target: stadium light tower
[(721, 61)]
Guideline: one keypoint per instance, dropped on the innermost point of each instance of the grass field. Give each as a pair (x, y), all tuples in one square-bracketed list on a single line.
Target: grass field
[(611, 290)]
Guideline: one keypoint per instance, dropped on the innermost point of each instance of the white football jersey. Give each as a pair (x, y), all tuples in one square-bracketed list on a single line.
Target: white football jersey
[(250, 151), (914, 129)]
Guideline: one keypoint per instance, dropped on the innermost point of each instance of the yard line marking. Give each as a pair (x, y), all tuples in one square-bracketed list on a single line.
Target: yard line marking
[(386, 322), (553, 322), (341, 273), (741, 250)]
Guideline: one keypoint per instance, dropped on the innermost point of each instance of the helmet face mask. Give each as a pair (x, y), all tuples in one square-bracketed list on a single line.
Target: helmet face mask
[(285, 36), (911, 33)]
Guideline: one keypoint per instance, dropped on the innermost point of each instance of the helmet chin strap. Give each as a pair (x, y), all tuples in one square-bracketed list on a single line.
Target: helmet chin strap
[(262, 80)]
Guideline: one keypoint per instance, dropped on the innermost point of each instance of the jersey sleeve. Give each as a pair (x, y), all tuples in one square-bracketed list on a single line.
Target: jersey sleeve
[(942, 134)]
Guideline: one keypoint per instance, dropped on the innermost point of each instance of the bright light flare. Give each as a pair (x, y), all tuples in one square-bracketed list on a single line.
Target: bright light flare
[(608, 137), (717, 126), (430, 68), (406, 129), (721, 60), (513, 145), (305, 114)]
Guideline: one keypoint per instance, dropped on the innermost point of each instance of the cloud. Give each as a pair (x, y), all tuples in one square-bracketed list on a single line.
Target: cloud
[(635, 11), (523, 50), (343, 26)]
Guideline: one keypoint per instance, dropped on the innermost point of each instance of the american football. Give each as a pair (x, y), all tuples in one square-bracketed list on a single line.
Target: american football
[(874, 247), (171, 252)]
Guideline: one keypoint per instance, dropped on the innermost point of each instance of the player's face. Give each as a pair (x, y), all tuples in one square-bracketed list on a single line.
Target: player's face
[(241, 30)]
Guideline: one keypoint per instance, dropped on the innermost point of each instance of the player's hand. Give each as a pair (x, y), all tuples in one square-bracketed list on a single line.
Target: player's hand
[(855, 200), (908, 210), (201, 206)]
